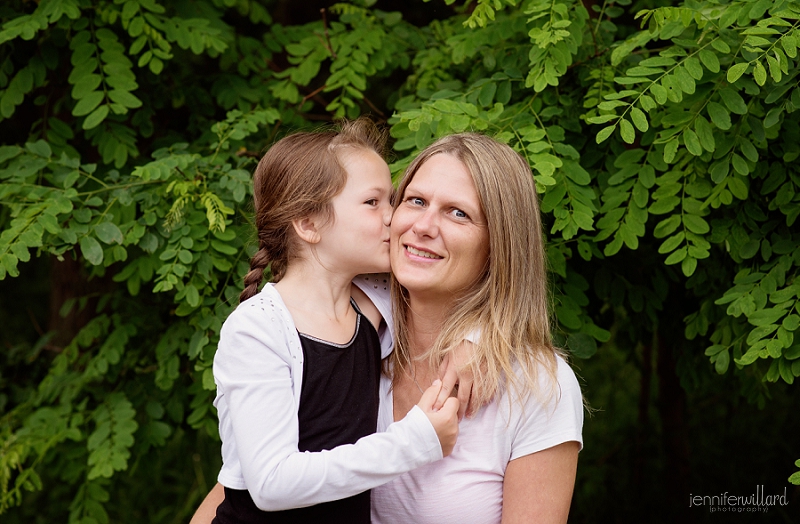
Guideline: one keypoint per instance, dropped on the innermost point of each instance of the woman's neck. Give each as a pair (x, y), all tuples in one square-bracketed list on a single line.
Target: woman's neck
[(425, 321)]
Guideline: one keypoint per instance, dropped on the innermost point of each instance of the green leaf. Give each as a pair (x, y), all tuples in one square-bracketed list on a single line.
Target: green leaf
[(626, 131), (672, 242), (774, 67), (664, 205), (659, 93), (791, 322), (125, 98), (223, 247), (720, 170), (192, 295), (733, 100), (97, 116), (722, 362), (108, 232), (709, 60), (667, 226), (40, 148), (692, 142), (670, 150), (86, 85), (91, 250), (736, 71), (676, 256), (639, 119), (737, 187), (688, 265), (88, 103), (766, 317), (696, 224), (759, 73), (581, 345), (719, 115), (773, 117), (705, 133), (693, 67), (605, 133), (718, 43), (748, 358), (156, 66), (8, 263), (487, 93), (739, 165)]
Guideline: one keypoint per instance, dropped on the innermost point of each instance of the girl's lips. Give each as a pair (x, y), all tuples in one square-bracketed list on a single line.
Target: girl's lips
[(421, 252)]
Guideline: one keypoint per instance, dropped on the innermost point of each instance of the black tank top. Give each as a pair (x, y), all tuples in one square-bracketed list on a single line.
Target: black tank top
[(338, 405)]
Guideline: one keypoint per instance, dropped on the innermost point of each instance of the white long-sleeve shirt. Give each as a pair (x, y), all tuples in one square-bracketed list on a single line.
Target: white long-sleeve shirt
[(258, 369)]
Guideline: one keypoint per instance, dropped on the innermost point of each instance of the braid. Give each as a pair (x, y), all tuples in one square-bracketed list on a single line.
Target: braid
[(254, 277)]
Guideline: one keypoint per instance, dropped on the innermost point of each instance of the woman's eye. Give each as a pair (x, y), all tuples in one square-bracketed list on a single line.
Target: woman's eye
[(416, 201), (460, 214)]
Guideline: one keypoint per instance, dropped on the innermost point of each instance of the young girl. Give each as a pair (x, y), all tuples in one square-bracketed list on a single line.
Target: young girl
[(298, 363)]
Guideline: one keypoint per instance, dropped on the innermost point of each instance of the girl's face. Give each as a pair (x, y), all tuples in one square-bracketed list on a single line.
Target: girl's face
[(357, 238), (440, 243)]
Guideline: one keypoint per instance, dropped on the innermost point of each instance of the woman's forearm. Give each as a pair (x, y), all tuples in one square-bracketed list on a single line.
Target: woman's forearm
[(208, 508)]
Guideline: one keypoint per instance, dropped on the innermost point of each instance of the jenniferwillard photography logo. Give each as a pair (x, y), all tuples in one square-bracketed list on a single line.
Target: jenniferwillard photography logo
[(758, 502)]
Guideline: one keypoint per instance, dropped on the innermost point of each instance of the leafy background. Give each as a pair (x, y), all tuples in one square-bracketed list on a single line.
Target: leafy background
[(662, 137)]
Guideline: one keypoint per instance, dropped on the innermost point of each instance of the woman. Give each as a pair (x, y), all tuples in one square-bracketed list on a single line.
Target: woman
[(468, 260)]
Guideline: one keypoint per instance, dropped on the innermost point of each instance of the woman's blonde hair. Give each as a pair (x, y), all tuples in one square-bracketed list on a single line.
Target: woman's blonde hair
[(298, 177), (508, 305)]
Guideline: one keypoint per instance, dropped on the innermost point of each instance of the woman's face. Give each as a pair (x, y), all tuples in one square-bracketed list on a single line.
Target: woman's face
[(439, 239)]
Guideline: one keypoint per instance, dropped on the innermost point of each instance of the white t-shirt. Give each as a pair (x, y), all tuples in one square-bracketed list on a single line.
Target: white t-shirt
[(467, 486)]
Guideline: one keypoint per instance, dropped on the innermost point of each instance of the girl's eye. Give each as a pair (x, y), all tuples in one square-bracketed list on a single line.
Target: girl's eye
[(372, 202)]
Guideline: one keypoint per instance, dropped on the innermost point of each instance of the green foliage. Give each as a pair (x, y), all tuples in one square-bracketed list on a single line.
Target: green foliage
[(795, 477), (670, 142)]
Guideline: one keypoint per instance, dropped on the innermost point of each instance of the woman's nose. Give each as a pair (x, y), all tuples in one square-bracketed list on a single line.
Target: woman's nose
[(426, 224)]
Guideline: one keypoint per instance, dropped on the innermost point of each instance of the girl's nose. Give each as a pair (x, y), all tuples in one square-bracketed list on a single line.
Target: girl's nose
[(387, 215)]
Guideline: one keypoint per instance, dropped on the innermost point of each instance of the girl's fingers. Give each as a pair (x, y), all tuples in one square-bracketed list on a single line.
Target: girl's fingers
[(429, 396), (449, 375)]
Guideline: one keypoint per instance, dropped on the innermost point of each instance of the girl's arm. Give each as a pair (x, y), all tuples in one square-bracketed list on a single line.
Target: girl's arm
[(258, 412), (538, 487), (372, 294)]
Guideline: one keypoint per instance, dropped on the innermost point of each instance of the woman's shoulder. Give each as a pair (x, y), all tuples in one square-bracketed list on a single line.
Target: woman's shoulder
[(547, 388), (377, 286), (565, 375), (550, 414), (373, 292)]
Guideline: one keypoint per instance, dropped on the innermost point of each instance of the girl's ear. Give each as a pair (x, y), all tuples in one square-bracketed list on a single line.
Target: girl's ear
[(308, 229)]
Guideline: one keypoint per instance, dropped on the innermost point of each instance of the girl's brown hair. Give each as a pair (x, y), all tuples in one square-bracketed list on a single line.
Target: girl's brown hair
[(508, 305), (297, 178)]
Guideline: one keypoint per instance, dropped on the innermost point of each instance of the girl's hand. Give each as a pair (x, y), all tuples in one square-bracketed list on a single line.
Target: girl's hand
[(453, 371), (444, 420)]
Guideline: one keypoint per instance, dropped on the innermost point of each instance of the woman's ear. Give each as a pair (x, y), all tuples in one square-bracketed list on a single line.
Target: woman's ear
[(307, 229)]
